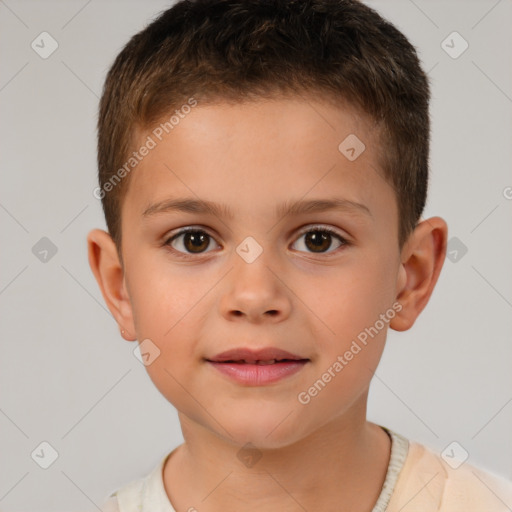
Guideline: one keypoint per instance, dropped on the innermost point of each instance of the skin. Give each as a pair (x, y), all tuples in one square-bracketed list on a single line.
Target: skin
[(252, 157)]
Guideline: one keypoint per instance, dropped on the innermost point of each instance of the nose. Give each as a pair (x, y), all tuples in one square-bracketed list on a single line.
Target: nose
[(255, 292)]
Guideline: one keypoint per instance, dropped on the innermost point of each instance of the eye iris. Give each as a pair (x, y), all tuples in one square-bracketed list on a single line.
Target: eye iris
[(318, 239), (198, 240)]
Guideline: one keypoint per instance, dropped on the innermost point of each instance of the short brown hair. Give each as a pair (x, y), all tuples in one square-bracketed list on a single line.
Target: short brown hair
[(215, 50)]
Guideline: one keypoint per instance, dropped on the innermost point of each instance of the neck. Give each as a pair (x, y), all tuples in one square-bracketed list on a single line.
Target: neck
[(342, 463)]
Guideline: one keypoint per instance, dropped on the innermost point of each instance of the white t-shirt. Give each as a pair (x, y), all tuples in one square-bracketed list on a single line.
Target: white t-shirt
[(417, 480)]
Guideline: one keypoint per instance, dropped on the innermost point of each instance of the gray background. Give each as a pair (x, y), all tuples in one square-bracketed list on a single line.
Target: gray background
[(68, 378)]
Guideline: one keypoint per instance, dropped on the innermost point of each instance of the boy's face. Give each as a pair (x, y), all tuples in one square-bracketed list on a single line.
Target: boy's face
[(203, 294)]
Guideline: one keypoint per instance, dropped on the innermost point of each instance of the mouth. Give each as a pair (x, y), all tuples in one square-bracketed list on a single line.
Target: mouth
[(268, 355), (257, 367), (258, 362)]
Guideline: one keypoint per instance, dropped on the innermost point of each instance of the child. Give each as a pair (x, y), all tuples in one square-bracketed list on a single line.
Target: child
[(263, 168)]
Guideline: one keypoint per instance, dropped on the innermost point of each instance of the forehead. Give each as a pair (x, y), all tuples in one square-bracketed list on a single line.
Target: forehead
[(259, 153)]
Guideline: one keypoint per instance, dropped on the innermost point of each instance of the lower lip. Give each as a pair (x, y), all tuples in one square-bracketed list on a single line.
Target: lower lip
[(259, 374)]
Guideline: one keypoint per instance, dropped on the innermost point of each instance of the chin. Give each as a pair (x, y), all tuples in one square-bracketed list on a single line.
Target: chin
[(263, 429)]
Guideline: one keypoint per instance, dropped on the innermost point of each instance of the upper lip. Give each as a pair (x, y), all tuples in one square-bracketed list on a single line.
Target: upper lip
[(250, 355)]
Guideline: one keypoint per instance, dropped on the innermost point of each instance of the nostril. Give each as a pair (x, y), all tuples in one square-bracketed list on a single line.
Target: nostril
[(272, 312)]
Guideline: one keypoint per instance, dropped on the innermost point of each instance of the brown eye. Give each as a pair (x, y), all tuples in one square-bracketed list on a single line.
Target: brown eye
[(190, 241), (320, 240)]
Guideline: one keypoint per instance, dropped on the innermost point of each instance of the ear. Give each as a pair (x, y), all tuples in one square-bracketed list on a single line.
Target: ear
[(422, 258), (109, 274)]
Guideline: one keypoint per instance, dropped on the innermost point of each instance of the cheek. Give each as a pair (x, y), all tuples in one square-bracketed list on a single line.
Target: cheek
[(162, 296), (350, 299), (164, 312)]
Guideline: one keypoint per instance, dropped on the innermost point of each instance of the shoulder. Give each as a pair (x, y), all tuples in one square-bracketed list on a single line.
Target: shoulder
[(145, 494), (129, 497), (110, 505), (429, 482), (126, 499)]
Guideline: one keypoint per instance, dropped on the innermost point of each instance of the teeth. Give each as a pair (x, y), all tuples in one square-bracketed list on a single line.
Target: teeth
[(272, 361)]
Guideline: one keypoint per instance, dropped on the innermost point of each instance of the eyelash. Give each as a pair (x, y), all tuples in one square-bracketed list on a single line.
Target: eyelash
[(318, 229)]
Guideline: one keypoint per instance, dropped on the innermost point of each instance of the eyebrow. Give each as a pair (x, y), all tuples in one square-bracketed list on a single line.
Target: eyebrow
[(191, 205)]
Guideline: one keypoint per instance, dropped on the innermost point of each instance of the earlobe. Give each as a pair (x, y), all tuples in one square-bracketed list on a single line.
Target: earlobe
[(422, 259), (109, 274)]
